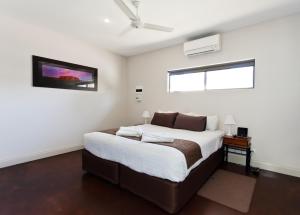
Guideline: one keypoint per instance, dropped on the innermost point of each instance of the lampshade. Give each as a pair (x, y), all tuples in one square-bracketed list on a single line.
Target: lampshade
[(229, 120), (146, 114)]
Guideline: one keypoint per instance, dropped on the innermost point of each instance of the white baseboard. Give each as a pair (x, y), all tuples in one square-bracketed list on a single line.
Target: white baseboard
[(232, 158), (37, 155), (266, 166)]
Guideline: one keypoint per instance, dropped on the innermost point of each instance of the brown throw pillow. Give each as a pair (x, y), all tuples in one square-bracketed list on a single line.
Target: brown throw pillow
[(164, 119), (193, 123)]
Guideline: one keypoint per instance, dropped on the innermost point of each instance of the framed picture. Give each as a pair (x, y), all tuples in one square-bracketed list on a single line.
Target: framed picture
[(58, 74)]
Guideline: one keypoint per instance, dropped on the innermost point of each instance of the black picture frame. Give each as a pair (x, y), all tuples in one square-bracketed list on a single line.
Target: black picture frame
[(46, 71)]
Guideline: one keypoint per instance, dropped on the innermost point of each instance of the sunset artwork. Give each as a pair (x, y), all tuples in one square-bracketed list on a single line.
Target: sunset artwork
[(59, 74), (66, 74)]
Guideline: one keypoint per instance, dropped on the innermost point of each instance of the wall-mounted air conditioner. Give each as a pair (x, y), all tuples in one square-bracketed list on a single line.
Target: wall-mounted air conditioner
[(203, 45)]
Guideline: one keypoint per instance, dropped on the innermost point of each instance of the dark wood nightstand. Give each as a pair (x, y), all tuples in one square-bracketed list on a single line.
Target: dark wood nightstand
[(241, 146)]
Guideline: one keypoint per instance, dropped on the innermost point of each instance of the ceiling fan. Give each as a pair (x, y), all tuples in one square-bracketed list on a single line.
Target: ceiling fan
[(136, 20)]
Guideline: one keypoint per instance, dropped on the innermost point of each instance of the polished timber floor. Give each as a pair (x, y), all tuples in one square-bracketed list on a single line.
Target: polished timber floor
[(57, 185)]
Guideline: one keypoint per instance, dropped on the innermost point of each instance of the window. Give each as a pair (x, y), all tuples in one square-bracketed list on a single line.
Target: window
[(230, 78), (187, 82), (237, 75)]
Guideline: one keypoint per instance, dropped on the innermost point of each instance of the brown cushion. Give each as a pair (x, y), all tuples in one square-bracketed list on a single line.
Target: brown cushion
[(164, 119), (193, 123)]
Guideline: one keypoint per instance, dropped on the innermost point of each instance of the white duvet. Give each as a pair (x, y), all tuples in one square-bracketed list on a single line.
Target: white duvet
[(155, 160)]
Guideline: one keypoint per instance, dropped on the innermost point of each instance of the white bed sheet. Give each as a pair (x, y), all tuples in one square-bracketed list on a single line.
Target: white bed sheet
[(155, 160)]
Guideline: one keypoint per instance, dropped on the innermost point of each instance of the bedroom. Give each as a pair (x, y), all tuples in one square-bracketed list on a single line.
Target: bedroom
[(43, 128)]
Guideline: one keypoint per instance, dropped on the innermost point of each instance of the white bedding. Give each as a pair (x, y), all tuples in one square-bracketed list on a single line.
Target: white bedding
[(155, 160)]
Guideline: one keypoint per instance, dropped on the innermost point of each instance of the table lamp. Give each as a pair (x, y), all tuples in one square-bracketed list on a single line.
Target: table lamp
[(229, 121), (146, 116)]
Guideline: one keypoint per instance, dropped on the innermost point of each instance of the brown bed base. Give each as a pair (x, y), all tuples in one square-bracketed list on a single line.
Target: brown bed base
[(168, 195)]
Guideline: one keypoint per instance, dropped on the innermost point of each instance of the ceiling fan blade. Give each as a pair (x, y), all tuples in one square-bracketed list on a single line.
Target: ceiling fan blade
[(126, 9), (157, 27), (125, 31)]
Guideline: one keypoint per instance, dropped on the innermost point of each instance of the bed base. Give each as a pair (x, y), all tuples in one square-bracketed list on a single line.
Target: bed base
[(168, 195), (106, 169)]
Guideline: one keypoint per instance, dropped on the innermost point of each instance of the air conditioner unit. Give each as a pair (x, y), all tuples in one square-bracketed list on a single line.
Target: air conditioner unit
[(203, 45)]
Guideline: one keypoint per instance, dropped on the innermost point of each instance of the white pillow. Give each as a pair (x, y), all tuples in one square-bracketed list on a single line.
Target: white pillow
[(211, 121)]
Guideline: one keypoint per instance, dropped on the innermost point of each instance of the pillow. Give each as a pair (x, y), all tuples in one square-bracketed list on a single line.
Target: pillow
[(211, 123), (192, 123), (164, 119)]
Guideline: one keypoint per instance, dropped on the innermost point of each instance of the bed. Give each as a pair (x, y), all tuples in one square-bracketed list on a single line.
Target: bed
[(157, 173)]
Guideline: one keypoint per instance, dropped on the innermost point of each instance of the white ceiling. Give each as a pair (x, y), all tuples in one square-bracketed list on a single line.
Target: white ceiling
[(84, 19)]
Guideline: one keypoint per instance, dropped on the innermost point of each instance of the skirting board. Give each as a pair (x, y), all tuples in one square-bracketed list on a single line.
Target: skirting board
[(38, 155), (232, 158), (266, 166)]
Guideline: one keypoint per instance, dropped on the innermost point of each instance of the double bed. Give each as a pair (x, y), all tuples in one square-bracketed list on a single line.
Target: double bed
[(158, 173)]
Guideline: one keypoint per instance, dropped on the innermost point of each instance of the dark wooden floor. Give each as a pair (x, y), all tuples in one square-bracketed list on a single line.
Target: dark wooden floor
[(57, 185)]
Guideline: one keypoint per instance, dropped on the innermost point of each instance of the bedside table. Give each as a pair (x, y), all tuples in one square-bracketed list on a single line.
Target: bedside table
[(243, 145)]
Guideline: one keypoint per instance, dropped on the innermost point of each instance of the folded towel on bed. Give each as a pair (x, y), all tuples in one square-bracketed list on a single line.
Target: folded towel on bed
[(130, 131), (156, 138)]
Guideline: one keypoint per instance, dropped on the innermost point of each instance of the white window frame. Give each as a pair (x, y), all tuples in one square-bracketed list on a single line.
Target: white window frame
[(206, 69)]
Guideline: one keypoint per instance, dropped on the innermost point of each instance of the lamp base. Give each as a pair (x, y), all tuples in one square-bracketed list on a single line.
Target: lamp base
[(229, 133)]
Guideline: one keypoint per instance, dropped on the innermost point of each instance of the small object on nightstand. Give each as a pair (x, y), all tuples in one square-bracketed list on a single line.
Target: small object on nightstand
[(146, 115), (242, 132), (243, 144)]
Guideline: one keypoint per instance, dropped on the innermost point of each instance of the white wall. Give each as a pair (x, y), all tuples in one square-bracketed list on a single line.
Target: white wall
[(271, 111), (37, 122)]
